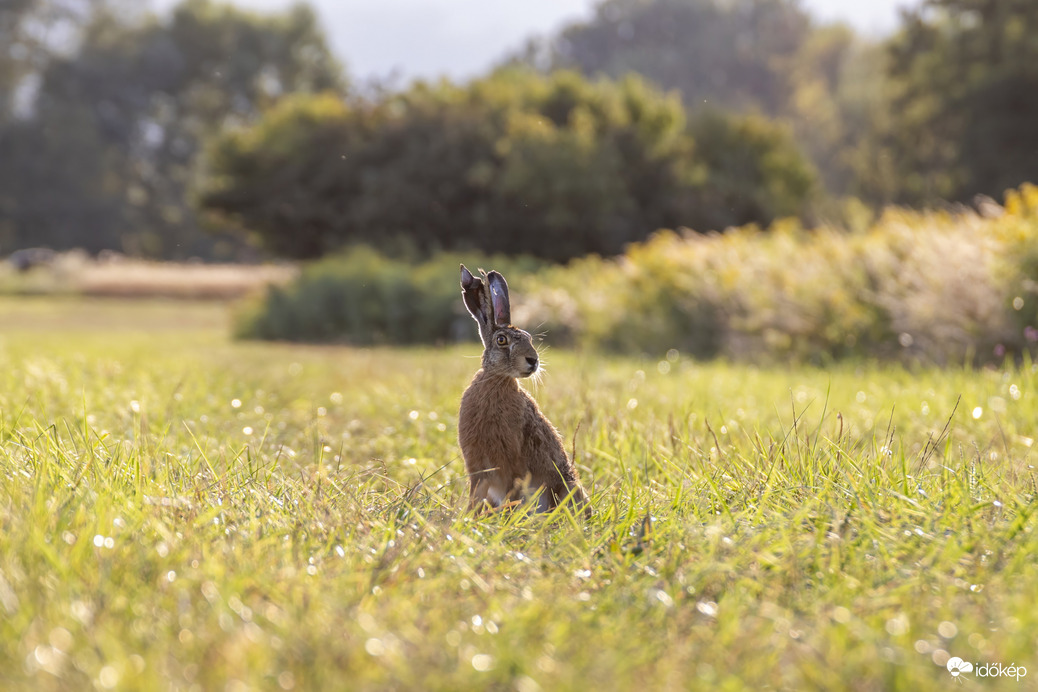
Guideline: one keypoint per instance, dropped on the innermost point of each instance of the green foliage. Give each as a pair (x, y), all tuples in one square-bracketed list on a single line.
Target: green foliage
[(1018, 234), (181, 511), (943, 110), (749, 57), (363, 297), (730, 55), (104, 109), (932, 287), (837, 107), (104, 155), (555, 166), (965, 99), (52, 179), (13, 66), (756, 171), (57, 186)]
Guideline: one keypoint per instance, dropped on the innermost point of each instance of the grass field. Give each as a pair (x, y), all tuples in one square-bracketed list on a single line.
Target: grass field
[(181, 512)]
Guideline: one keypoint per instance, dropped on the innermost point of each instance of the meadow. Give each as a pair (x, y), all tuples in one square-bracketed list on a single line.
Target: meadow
[(179, 511)]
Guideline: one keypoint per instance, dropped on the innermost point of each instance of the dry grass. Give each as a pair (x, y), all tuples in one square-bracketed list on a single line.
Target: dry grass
[(168, 280), (74, 273)]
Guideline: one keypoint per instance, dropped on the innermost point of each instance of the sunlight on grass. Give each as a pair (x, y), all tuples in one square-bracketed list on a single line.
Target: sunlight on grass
[(181, 512)]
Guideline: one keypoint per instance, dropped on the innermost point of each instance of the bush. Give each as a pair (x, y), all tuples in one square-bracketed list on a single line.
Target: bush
[(363, 297), (933, 286), (555, 166), (936, 287)]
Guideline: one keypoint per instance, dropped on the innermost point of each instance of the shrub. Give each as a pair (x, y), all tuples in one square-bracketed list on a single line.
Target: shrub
[(937, 286), (555, 166), (1017, 235), (364, 297), (931, 286)]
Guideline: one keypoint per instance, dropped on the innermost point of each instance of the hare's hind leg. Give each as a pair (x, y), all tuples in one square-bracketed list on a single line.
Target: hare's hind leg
[(479, 495), (487, 491)]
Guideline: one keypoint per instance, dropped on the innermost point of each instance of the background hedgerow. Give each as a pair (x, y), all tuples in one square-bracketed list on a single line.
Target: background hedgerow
[(939, 286), (556, 166), (364, 297)]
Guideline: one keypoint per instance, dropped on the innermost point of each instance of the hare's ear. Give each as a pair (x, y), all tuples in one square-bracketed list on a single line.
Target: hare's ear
[(473, 292), (499, 299)]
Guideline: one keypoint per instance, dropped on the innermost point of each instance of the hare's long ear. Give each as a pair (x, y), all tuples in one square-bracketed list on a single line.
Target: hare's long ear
[(473, 293), (499, 299)]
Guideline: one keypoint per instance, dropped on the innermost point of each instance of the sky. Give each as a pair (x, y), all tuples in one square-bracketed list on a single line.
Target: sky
[(408, 39)]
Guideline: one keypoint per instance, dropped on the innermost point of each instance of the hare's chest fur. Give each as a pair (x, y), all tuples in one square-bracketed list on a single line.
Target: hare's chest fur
[(501, 427), (490, 420)]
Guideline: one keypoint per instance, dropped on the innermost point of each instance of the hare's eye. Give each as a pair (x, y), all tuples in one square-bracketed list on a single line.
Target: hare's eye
[(502, 340)]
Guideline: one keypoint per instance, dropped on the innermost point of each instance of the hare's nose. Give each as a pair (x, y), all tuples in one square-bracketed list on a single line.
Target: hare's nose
[(531, 361)]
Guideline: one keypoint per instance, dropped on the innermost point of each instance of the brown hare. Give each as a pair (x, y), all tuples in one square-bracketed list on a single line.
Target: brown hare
[(512, 452)]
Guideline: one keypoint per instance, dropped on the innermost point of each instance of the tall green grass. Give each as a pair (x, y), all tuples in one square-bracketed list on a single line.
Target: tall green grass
[(182, 512)]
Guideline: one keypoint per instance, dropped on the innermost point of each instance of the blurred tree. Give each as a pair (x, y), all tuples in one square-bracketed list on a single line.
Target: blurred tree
[(554, 166), (756, 171), (836, 94), (118, 120), (750, 56), (725, 54), (14, 54), (965, 99), (27, 44), (57, 187)]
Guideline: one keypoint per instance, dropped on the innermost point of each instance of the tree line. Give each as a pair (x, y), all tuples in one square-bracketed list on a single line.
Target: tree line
[(555, 166), (943, 109), (212, 131), (101, 129)]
